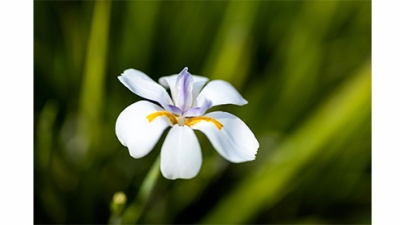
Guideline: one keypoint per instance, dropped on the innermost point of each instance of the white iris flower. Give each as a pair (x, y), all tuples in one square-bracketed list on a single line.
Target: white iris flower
[(140, 125)]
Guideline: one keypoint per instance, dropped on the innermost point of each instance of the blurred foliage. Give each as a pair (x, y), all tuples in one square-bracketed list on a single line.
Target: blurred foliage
[(304, 67)]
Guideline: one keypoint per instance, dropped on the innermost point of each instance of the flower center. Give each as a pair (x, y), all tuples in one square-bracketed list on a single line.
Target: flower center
[(188, 121)]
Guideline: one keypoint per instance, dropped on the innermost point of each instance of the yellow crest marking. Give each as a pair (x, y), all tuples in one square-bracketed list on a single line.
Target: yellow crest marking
[(192, 121), (170, 116), (188, 122)]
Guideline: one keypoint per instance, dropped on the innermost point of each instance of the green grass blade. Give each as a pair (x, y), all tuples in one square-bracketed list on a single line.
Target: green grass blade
[(346, 105)]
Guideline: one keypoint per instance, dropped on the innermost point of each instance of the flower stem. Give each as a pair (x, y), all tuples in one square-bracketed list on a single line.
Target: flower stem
[(134, 210)]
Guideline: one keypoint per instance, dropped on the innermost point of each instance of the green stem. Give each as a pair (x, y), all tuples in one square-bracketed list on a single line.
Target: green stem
[(134, 210)]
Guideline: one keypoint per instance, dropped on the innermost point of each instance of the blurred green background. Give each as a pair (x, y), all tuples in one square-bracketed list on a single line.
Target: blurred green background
[(304, 67)]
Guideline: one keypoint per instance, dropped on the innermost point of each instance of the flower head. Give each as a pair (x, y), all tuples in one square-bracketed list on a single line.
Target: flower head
[(140, 125)]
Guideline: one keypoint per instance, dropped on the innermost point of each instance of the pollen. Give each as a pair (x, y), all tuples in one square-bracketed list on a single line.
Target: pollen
[(192, 121), (170, 116)]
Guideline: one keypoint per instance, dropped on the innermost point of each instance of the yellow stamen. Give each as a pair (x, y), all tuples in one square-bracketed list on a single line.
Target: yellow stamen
[(170, 116), (192, 121)]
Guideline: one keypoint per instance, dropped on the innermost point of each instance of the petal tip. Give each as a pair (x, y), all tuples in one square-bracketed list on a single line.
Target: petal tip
[(120, 78), (184, 71), (127, 71), (169, 177), (134, 154)]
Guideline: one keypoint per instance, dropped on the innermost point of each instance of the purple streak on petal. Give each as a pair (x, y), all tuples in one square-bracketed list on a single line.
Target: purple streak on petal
[(184, 88), (199, 110), (173, 109), (196, 111)]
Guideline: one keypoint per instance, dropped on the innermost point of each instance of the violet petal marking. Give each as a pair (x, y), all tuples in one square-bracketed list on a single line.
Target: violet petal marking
[(184, 87), (199, 110), (175, 110)]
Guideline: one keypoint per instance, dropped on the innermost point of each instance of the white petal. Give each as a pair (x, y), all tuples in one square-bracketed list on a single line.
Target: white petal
[(142, 85), (219, 92), (235, 141), (180, 154), (198, 83), (170, 81), (135, 131)]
